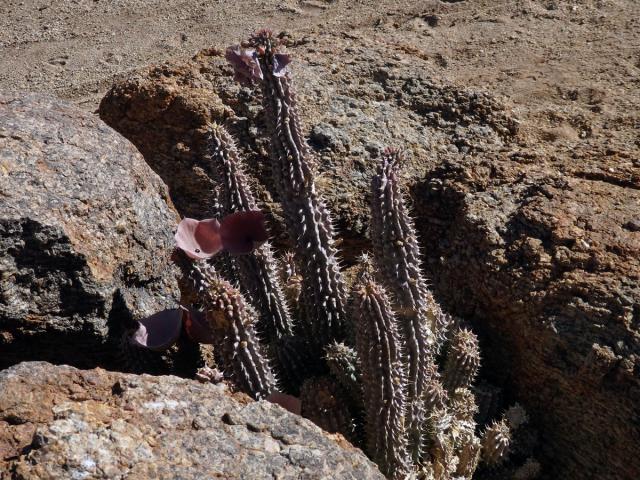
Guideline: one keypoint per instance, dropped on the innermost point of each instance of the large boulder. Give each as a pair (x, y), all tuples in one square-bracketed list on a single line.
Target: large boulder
[(85, 234), (544, 255), (59, 422)]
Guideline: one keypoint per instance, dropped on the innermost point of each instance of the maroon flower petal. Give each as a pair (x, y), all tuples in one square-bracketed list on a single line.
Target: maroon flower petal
[(280, 62), (288, 402), (159, 331), (196, 326), (242, 232), (199, 239), (245, 65)]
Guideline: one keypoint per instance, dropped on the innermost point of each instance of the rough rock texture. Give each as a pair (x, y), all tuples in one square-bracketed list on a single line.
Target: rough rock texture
[(60, 422), (85, 234), (545, 257), (529, 222)]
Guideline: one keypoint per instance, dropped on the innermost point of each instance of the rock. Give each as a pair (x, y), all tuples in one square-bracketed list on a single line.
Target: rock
[(85, 234), (325, 136), (539, 254), (163, 116), (72, 423)]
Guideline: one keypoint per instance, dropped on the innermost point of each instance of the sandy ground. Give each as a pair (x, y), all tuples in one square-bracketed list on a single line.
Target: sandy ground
[(570, 70), (75, 48)]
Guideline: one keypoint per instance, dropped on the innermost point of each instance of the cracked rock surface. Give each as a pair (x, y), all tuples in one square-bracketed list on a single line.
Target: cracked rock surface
[(97, 424), (85, 234)]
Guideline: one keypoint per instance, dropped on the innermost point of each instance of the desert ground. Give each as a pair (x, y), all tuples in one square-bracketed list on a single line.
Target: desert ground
[(539, 54)]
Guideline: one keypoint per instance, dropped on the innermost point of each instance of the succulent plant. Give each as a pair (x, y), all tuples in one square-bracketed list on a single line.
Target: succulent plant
[(463, 404), (343, 364), (230, 320), (383, 378), (463, 360), (395, 248), (369, 366), (297, 362), (468, 451), (495, 442), (257, 272), (292, 280), (307, 218)]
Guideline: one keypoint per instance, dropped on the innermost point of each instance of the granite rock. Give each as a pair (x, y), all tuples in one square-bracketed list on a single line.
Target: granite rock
[(537, 251), (60, 422), (85, 234)]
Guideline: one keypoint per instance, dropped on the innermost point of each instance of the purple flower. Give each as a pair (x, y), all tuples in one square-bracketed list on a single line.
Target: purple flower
[(280, 62), (243, 232), (199, 238), (196, 326), (245, 65), (159, 331), (162, 329), (238, 233)]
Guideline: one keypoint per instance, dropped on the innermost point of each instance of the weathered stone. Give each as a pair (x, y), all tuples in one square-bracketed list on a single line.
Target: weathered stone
[(60, 422), (85, 234), (164, 112), (538, 253)]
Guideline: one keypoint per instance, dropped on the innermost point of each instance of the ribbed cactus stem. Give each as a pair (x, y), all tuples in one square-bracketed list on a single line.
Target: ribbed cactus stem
[(232, 321), (468, 452), (257, 270), (463, 360), (463, 404), (434, 395), (441, 447), (325, 403), (395, 247), (495, 443), (343, 365), (306, 216), (383, 377)]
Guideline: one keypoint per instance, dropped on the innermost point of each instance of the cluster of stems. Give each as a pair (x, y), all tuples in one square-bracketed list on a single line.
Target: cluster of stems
[(382, 386)]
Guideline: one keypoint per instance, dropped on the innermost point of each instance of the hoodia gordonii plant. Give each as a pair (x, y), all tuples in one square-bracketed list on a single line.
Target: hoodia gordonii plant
[(383, 377), (308, 220), (257, 270), (398, 335), (463, 360), (231, 321), (377, 368), (395, 247)]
